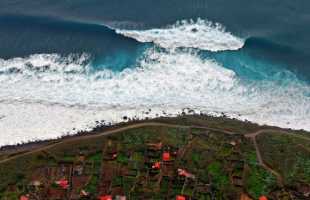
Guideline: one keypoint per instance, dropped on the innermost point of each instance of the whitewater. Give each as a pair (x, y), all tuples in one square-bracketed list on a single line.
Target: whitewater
[(45, 96)]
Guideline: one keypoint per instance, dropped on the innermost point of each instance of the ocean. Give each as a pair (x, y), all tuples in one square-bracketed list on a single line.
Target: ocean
[(67, 66)]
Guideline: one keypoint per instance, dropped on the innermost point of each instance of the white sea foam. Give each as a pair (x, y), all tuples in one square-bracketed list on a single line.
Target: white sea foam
[(46, 96), (201, 34)]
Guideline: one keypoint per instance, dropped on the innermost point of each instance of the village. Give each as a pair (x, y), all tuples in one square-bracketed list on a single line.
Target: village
[(180, 164)]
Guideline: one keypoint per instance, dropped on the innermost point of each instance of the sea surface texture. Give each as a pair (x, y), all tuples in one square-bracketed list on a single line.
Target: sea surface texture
[(68, 65)]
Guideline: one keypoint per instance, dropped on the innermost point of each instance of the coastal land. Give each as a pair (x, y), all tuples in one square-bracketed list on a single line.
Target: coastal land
[(184, 157)]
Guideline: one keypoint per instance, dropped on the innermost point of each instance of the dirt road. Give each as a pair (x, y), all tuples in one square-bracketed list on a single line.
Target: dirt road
[(251, 136), (133, 126)]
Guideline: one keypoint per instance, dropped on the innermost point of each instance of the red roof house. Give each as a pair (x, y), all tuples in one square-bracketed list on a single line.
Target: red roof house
[(166, 156), (63, 183), (105, 197), (183, 172), (263, 198), (180, 197), (156, 165), (23, 197)]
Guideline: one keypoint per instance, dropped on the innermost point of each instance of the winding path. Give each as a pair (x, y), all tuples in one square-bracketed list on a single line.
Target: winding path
[(251, 136), (77, 138)]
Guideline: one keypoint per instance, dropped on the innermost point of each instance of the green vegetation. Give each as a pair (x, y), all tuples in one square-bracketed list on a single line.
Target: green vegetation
[(301, 170), (287, 154), (219, 176), (216, 164), (251, 158), (259, 181), (92, 185)]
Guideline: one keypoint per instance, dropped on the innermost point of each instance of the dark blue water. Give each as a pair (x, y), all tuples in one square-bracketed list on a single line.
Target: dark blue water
[(276, 31), (263, 56), (25, 35)]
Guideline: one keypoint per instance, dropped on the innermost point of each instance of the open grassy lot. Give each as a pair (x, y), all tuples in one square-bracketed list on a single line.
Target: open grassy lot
[(289, 154)]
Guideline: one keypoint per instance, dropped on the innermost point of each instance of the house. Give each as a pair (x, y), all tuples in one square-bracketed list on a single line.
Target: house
[(155, 146), (155, 169), (35, 185), (24, 197), (156, 165), (183, 172), (233, 143), (263, 197), (180, 197), (63, 183), (166, 157), (83, 193), (119, 197), (105, 197)]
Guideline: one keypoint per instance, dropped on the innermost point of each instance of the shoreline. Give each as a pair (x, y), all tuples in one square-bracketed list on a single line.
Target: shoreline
[(181, 119), (23, 123)]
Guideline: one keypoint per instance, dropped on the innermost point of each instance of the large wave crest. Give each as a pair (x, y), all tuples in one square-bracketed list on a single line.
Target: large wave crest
[(46, 95), (201, 34)]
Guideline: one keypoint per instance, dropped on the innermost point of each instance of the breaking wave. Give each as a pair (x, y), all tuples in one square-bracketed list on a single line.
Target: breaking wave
[(200, 34), (68, 95), (47, 95)]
